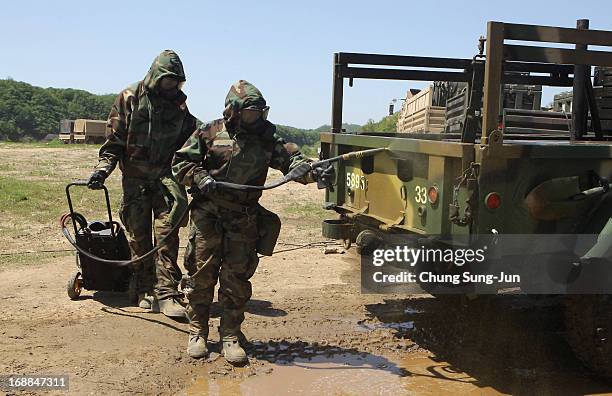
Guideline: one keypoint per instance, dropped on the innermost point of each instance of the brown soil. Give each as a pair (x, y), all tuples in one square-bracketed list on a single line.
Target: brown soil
[(311, 329)]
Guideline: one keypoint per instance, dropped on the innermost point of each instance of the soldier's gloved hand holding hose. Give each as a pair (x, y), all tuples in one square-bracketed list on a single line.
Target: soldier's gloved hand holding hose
[(324, 176), (206, 185), (96, 180)]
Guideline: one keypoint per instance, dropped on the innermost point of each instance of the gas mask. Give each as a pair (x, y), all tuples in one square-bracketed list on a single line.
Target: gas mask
[(251, 115), (169, 87), (250, 119)]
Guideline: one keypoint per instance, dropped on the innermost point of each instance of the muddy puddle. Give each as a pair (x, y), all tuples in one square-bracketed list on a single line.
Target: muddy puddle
[(346, 374)]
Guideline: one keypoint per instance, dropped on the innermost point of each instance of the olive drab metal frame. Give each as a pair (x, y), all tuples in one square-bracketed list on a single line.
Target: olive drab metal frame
[(464, 70), (579, 59), (560, 67), (467, 164)]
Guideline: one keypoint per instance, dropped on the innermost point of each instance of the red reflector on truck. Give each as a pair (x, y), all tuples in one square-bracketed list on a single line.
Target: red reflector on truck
[(493, 200)]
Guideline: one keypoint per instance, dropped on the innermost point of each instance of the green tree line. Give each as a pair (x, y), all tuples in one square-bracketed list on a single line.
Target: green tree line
[(387, 124), (29, 112), (308, 139)]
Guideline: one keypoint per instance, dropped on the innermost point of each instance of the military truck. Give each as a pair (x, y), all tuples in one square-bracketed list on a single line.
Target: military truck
[(82, 131), (500, 171), (442, 105)]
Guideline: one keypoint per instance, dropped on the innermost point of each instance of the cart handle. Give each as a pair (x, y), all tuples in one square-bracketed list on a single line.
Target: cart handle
[(106, 196)]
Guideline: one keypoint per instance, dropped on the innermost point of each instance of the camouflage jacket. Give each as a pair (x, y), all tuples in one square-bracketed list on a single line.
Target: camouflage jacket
[(244, 161), (146, 129)]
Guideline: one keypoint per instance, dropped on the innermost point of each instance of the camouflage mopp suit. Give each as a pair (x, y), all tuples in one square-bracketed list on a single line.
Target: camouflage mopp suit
[(227, 226), (147, 125)]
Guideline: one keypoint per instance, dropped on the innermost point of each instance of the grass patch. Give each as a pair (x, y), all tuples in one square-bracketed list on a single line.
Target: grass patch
[(23, 202), (29, 217), (308, 211), (44, 171), (305, 218), (29, 259), (55, 143), (7, 167)]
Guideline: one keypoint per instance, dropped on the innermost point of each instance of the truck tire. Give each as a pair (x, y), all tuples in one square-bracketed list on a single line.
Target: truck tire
[(367, 241), (588, 321)]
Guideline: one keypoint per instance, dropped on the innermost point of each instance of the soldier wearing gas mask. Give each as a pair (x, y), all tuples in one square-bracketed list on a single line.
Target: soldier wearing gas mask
[(148, 122), (229, 228)]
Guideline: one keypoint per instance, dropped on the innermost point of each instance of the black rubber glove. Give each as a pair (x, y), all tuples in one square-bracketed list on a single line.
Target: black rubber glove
[(324, 176), (96, 180), (206, 185)]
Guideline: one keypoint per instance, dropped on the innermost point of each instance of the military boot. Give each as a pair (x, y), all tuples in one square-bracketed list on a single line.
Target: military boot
[(242, 339), (198, 330), (232, 338), (147, 301), (196, 346), (143, 301), (233, 352), (170, 307)]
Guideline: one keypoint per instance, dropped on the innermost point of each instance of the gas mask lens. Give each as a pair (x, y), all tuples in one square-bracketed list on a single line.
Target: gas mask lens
[(168, 83), (250, 116)]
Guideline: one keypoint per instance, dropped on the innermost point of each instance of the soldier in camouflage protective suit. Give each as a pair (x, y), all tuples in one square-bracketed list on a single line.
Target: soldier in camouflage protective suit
[(227, 226), (148, 122)]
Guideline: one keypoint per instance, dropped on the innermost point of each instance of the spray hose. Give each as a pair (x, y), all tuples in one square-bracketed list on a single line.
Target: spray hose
[(119, 263), (299, 171)]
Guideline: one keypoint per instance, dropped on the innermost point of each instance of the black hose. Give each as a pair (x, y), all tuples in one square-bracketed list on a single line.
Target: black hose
[(123, 263), (299, 171)]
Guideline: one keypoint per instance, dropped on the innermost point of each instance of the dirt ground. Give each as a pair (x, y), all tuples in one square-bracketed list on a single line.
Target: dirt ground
[(312, 331)]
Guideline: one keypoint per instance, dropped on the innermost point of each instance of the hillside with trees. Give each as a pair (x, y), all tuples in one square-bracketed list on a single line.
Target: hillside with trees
[(30, 113), (349, 128), (387, 124)]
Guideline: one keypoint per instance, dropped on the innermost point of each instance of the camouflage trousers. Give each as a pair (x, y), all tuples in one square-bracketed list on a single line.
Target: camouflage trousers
[(222, 246), (144, 212)]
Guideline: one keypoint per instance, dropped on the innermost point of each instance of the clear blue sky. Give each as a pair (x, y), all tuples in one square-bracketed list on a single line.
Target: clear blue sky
[(283, 47)]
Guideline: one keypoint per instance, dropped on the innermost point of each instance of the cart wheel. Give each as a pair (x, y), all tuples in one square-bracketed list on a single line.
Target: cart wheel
[(346, 243), (74, 285)]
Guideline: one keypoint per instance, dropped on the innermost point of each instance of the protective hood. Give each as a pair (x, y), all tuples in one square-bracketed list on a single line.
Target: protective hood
[(167, 63), (243, 94)]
